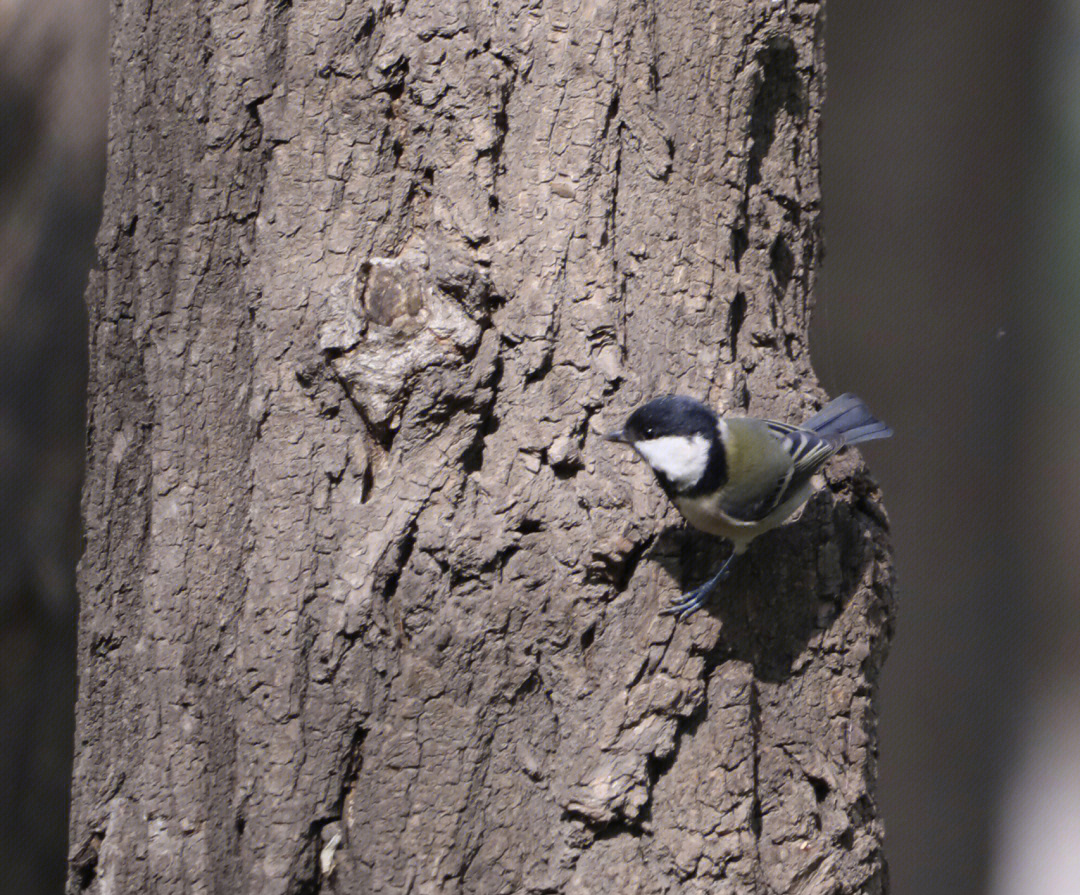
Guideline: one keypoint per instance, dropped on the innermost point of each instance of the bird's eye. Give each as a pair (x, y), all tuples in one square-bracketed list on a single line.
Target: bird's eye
[(648, 433)]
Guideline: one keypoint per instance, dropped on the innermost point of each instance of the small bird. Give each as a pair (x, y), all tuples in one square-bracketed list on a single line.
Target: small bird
[(738, 477)]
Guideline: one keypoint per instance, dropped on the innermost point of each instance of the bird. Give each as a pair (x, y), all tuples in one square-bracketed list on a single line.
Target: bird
[(738, 477)]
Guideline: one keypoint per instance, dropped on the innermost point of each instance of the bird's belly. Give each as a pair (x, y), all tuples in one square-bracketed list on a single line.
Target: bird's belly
[(705, 513)]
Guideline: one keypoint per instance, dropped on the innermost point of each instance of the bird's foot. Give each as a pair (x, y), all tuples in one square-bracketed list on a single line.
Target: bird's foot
[(694, 600), (689, 604)]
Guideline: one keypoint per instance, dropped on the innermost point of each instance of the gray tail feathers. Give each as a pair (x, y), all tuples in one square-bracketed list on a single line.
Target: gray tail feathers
[(848, 418)]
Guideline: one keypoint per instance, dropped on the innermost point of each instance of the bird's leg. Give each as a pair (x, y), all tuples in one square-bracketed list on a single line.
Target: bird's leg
[(694, 600)]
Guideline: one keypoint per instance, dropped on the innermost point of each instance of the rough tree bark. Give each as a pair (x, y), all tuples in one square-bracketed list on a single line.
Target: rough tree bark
[(367, 605)]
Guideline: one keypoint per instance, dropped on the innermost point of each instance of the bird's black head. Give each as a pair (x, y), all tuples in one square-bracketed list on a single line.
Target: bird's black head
[(678, 438), (670, 415)]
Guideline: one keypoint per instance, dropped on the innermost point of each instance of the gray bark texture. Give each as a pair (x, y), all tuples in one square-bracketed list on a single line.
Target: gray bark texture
[(367, 606)]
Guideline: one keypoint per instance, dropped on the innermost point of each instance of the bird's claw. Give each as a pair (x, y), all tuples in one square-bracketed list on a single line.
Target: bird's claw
[(694, 600), (687, 606)]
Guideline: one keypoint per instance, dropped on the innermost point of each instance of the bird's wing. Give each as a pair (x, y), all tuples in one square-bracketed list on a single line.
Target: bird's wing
[(808, 450), (767, 462), (758, 470)]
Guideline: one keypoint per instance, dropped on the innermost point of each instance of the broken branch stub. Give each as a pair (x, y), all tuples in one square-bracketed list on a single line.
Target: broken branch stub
[(394, 319)]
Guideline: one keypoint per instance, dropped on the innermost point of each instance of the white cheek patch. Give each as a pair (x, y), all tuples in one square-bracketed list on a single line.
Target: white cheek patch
[(681, 459)]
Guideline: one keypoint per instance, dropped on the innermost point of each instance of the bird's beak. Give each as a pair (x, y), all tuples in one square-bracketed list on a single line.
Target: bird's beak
[(616, 436)]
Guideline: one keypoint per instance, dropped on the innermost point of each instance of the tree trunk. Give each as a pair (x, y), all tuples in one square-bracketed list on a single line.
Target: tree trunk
[(367, 605)]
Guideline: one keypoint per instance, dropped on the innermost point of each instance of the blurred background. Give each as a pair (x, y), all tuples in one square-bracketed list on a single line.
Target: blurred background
[(52, 163), (951, 167), (950, 301)]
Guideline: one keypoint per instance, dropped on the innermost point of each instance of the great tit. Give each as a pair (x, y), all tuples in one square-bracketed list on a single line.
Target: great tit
[(738, 477)]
